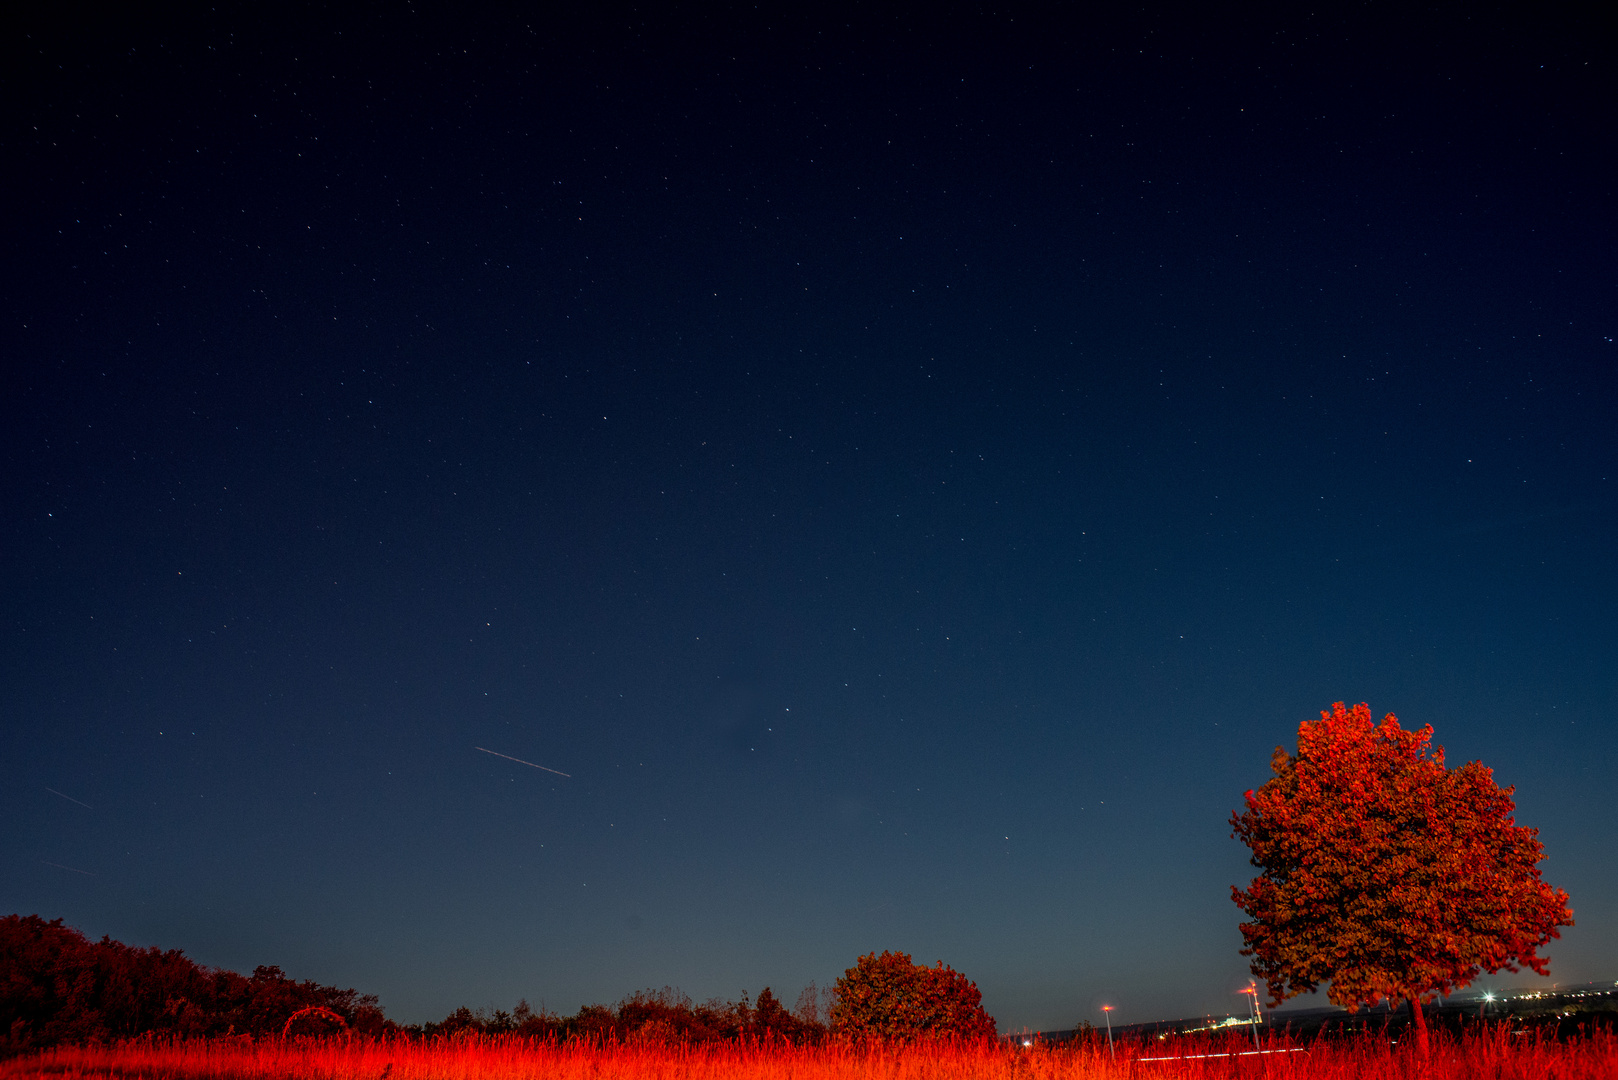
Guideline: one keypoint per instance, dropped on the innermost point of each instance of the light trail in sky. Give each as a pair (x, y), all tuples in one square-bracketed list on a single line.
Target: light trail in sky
[(520, 761)]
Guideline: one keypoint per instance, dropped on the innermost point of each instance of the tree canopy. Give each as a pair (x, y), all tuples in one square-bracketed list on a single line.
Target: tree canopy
[(57, 986), (1385, 873), (889, 996)]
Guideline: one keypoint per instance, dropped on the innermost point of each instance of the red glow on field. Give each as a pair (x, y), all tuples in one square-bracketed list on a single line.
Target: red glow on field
[(1495, 1052)]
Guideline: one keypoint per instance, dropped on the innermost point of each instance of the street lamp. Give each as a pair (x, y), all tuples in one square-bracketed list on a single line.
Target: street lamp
[(1253, 1013), (1106, 1010)]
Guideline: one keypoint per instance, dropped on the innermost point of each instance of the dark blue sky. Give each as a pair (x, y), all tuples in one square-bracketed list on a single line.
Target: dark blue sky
[(908, 473)]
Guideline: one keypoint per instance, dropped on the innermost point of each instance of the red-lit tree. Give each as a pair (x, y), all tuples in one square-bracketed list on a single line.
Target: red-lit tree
[(1385, 873), (890, 997)]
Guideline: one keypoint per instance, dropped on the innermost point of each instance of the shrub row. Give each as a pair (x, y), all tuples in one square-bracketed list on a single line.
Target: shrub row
[(57, 986)]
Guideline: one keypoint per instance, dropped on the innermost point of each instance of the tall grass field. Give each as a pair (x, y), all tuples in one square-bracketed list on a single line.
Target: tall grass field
[(1494, 1053)]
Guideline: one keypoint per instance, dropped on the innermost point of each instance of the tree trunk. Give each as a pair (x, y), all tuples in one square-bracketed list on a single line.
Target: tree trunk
[(1420, 1023)]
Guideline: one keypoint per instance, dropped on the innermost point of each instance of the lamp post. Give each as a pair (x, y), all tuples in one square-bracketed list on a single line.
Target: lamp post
[(1253, 1013), (1106, 1010)]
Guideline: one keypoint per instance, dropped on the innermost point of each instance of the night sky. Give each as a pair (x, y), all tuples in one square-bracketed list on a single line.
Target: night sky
[(908, 473)]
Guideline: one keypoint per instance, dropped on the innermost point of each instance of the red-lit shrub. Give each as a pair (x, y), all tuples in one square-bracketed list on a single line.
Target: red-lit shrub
[(887, 996)]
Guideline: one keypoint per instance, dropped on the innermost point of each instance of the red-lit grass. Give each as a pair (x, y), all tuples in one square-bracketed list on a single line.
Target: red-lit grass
[(1494, 1053)]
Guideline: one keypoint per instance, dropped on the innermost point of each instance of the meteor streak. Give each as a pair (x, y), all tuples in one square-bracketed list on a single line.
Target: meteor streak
[(75, 869), (530, 764)]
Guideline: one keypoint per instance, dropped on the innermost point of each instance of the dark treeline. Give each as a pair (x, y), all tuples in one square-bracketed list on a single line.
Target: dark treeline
[(57, 986), (664, 1015)]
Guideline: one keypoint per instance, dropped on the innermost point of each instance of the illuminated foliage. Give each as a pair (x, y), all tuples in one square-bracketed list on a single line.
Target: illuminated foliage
[(1385, 873), (889, 996)]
